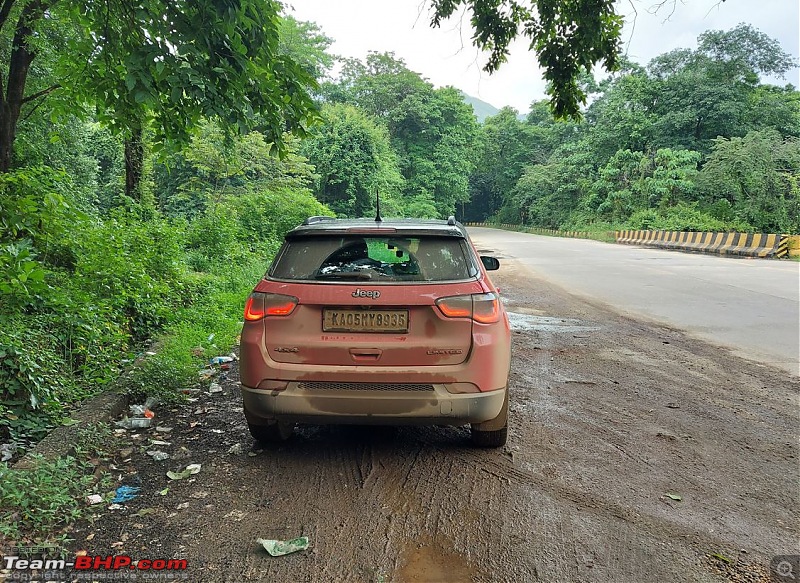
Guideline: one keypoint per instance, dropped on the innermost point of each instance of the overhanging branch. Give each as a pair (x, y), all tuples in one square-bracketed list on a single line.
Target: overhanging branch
[(5, 10), (41, 93)]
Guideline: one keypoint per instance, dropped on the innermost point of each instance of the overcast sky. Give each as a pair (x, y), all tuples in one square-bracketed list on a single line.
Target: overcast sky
[(446, 56)]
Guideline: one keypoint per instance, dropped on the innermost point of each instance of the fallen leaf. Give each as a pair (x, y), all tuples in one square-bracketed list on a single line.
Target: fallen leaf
[(675, 497)]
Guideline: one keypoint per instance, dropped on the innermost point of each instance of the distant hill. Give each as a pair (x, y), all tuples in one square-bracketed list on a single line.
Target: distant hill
[(481, 108)]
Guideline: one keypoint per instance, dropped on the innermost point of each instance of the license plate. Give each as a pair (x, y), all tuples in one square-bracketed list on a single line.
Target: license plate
[(365, 321)]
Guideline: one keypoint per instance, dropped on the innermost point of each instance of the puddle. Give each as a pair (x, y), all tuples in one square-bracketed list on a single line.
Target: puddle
[(426, 564), (530, 322)]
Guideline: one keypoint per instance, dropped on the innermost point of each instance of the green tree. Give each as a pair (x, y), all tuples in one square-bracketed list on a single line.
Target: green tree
[(547, 194), (758, 175), (707, 93), (214, 166), (353, 160), (568, 37), (159, 64), (432, 130), (506, 146), (306, 45)]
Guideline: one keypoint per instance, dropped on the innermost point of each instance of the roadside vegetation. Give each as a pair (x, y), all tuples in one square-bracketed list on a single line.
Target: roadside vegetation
[(150, 168)]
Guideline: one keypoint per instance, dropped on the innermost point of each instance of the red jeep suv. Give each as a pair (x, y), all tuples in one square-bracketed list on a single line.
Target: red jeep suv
[(376, 322)]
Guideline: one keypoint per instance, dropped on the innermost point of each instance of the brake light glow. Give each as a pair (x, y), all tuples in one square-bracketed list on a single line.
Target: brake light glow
[(261, 305)]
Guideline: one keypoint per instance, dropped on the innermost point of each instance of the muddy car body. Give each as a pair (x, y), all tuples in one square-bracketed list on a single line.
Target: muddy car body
[(376, 322)]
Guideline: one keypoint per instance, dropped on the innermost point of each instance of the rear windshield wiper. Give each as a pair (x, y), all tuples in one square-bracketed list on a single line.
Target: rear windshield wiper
[(344, 275)]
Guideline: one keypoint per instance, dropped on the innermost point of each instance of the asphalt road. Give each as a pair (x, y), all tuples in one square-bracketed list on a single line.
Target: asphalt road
[(750, 306)]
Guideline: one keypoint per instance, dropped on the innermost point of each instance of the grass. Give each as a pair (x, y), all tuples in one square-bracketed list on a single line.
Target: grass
[(208, 327), (39, 503)]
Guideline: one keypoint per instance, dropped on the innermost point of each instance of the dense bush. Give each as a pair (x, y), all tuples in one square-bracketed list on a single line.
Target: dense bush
[(82, 290)]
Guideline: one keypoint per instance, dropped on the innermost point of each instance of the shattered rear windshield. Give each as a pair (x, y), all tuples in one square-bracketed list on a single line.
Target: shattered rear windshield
[(377, 259)]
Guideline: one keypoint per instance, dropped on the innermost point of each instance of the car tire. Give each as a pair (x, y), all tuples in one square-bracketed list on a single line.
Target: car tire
[(274, 432), (492, 433)]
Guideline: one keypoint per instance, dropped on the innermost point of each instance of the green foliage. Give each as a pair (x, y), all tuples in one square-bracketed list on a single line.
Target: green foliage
[(33, 380), (34, 216), (758, 174), (37, 504), (353, 159), (215, 166), (432, 131), (141, 70), (569, 38), (695, 126), (506, 146), (306, 45), (681, 217), (133, 265)]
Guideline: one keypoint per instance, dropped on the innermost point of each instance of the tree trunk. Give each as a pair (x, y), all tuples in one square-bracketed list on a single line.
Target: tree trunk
[(21, 56), (134, 163), (7, 124)]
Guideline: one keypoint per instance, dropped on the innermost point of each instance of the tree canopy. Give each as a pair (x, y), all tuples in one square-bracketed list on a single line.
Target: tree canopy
[(568, 38), (158, 65)]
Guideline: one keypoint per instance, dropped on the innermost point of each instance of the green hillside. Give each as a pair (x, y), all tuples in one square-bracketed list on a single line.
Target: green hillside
[(481, 108)]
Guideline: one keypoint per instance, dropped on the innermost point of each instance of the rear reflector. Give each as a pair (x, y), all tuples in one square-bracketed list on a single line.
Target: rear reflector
[(483, 308), (260, 305)]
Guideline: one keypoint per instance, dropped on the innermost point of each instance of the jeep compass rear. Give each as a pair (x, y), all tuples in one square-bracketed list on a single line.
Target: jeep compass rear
[(376, 322)]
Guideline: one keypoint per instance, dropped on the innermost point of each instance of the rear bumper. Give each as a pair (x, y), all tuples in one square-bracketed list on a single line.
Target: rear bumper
[(379, 407)]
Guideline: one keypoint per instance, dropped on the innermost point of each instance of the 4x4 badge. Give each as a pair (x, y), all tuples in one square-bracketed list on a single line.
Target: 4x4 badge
[(364, 293)]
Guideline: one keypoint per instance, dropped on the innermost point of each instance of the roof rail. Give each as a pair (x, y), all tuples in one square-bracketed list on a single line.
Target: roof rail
[(317, 219), (451, 220)]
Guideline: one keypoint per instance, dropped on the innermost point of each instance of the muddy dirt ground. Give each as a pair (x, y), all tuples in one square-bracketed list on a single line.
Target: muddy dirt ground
[(635, 454)]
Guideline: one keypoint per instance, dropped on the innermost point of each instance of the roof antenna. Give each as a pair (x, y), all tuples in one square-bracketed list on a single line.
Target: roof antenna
[(378, 218)]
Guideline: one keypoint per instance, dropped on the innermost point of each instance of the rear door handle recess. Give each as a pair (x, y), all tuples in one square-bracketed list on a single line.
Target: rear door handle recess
[(365, 354)]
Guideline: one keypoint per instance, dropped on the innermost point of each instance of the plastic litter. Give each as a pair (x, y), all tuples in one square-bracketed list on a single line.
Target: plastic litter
[(141, 416), (190, 470), (221, 359), (125, 494), (134, 423), (158, 455), (236, 449), (94, 499), (7, 451), (277, 548), (214, 388)]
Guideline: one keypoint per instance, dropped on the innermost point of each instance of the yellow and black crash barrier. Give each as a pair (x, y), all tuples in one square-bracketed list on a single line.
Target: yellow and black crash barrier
[(737, 244), (765, 245)]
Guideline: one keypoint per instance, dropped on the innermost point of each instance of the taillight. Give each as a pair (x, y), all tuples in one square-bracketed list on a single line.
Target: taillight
[(483, 308), (486, 308), (456, 306), (260, 305)]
